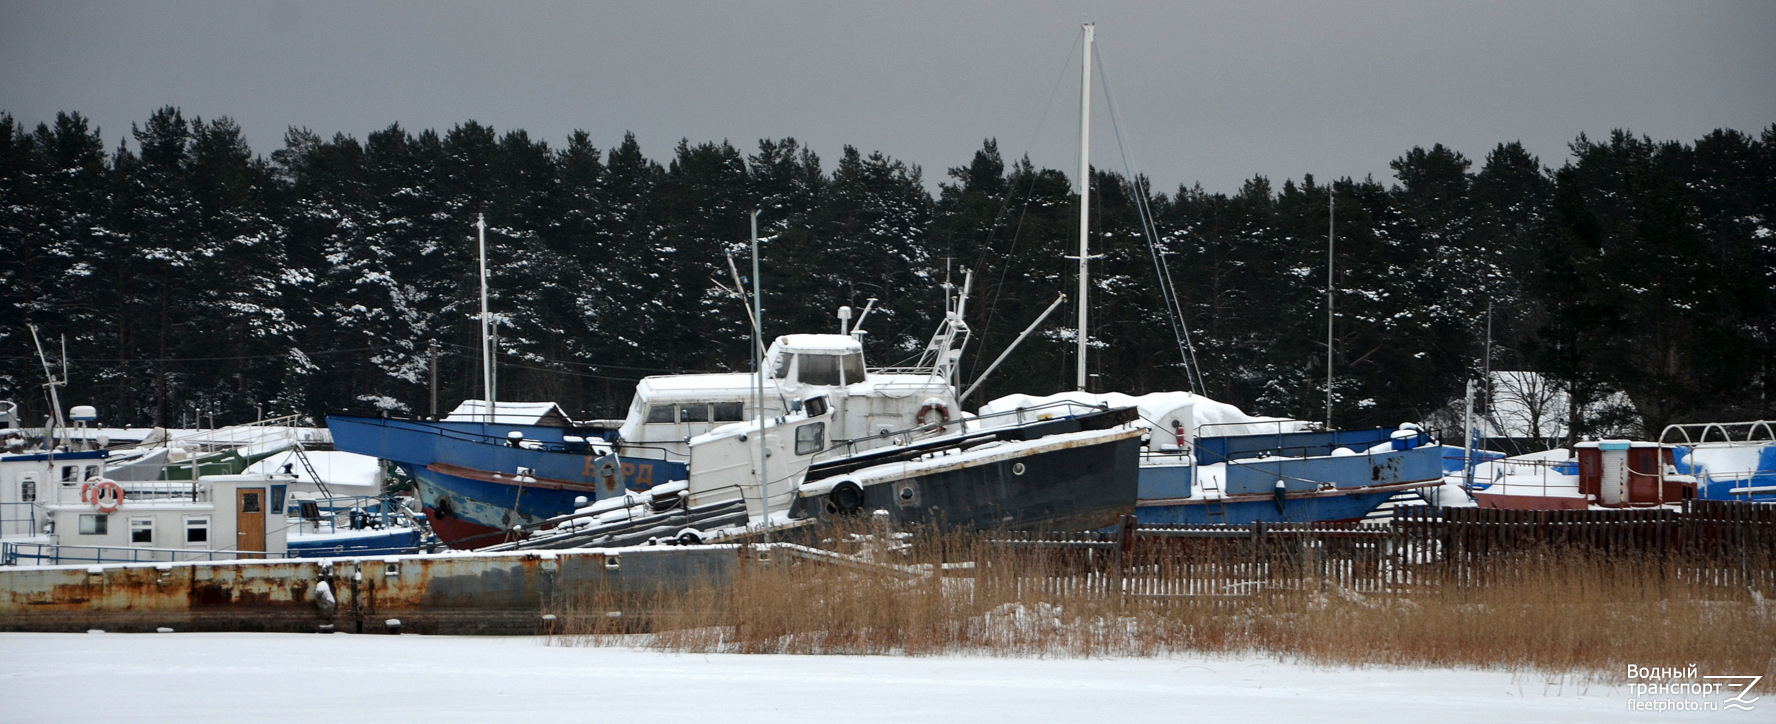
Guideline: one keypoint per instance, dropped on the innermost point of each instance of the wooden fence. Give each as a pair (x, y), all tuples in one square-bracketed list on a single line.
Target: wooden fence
[(1708, 542)]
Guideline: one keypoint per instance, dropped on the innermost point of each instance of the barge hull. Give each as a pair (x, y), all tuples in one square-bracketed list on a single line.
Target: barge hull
[(495, 594)]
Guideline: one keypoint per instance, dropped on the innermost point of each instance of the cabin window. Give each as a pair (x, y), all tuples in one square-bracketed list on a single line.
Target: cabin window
[(819, 369), (197, 530), (141, 531), (694, 413), (810, 438), (277, 499), (28, 491), (95, 524), (853, 364), (729, 412), (660, 413), (68, 472), (780, 367), (92, 471)]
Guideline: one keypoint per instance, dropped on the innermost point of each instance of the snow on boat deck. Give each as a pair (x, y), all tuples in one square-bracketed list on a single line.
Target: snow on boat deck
[(146, 678)]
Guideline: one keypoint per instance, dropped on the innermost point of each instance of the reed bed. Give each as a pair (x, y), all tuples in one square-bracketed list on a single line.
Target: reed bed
[(1538, 610)]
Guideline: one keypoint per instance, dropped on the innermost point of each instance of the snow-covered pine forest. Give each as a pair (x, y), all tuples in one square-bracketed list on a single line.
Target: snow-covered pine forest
[(192, 274)]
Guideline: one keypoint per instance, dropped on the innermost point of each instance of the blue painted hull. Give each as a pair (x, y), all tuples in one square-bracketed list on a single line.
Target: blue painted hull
[(1709, 487), (1245, 512), (386, 541), (417, 444), (1319, 487)]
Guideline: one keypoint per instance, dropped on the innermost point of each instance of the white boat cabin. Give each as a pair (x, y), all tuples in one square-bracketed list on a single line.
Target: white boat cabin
[(868, 406), (227, 516), (27, 485)]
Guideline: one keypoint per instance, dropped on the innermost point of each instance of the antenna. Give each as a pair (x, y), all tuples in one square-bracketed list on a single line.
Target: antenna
[(55, 400)]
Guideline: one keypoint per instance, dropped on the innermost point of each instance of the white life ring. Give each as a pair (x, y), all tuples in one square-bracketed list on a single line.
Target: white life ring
[(102, 489)]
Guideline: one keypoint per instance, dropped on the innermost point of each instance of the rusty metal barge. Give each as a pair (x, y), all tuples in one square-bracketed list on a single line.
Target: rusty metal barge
[(469, 593)]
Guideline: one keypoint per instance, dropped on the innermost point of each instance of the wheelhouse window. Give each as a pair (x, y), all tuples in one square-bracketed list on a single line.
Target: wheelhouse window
[(729, 411), (141, 531), (810, 438), (853, 364), (95, 524), (698, 412), (781, 369), (68, 473), (28, 491), (197, 530), (819, 369), (660, 413), (92, 471)]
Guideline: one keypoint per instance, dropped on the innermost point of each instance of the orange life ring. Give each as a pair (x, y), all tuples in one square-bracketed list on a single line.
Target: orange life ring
[(99, 495), (940, 409), (86, 492)]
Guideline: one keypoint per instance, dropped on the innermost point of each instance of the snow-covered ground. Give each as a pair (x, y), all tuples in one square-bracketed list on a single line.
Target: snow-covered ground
[(146, 678)]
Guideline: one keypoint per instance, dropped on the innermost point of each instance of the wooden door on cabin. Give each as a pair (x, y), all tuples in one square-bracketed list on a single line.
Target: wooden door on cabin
[(249, 522)]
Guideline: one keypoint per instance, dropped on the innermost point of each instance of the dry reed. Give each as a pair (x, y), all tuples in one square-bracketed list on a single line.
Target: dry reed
[(1544, 611)]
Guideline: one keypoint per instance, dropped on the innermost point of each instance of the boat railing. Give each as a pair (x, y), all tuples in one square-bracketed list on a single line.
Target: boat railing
[(572, 448), (1697, 433), (136, 491), (1550, 476), (841, 448), (344, 512), (52, 554), (251, 434)]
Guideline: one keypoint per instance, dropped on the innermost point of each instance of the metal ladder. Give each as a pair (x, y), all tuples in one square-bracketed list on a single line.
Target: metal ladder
[(309, 468), (1215, 507)]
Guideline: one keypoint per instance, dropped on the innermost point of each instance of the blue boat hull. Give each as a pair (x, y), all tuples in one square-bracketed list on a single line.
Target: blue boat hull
[(1318, 486), (471, 509), (386, 541), (416, 444), (1329, 508)]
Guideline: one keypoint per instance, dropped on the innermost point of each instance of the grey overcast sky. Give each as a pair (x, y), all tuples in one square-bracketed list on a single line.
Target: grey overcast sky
[(1208, 92)]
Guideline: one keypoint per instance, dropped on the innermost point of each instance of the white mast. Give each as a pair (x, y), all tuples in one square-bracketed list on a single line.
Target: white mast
[(1330, 211), (486, 337), (758, 365), (1084, 191)]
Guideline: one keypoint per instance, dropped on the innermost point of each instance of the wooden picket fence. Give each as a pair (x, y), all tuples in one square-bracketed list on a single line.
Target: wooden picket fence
[(1710, 542)]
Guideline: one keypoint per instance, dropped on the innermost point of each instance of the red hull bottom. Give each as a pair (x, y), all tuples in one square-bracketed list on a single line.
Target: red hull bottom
[(1529, 502), (461, 534)]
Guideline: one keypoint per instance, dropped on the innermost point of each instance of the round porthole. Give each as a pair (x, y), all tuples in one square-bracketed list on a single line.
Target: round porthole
[(906, 493), (1017, 468)]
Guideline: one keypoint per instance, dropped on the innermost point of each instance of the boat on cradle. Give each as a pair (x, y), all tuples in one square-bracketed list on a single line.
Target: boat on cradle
[(1207, 462), (481, 480), (478, 480), (1060, 469)]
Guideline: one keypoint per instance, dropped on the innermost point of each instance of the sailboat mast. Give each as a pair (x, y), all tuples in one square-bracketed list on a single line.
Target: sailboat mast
[(1084, 192), (1331, 212), (486, 337)]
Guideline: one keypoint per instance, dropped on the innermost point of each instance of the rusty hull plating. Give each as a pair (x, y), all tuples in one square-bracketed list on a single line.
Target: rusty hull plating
[(501, 594)]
